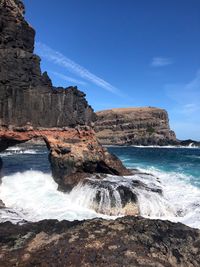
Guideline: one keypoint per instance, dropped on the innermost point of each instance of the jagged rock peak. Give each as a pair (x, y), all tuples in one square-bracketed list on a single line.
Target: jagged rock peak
[(15, 32), (15, 6), (26, 94)]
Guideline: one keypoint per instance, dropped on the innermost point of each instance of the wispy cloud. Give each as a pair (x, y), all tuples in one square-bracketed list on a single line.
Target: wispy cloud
[(186, 96), (67, 78), (185, 107), (161, 62), (58, 58), (189, 108)]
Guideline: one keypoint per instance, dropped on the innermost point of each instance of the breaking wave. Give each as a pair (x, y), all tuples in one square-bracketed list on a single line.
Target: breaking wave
[(33, 196)]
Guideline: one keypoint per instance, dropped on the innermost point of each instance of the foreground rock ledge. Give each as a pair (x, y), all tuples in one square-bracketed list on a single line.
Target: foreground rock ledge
[(128, 241)]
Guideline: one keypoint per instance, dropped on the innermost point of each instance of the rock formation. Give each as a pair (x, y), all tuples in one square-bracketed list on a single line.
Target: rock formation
[(26, 94), (190, 143), (74, 153), (134, 126), (31, 107), (128, 241), (78, 154), (118, 196)]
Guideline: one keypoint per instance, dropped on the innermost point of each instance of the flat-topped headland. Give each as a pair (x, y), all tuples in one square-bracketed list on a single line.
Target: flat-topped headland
[(145, 126), (134, 126)]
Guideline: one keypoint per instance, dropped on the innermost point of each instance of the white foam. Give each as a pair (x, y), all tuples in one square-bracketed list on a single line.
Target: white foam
[(14, 148), (191, 145), (180, 201), (169, 146), (34, 196), (16, 151), (35, 193)]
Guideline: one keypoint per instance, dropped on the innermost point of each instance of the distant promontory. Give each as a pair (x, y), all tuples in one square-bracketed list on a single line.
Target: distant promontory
[(134, 126)]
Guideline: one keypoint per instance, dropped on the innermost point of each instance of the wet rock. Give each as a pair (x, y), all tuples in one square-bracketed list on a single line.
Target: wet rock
[(2, 205), (134, 126), (116, 196), (128, 241), (190, 142), (111, 198)]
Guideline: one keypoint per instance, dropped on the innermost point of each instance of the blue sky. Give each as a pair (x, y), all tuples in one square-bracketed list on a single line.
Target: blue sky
[(125, 53)]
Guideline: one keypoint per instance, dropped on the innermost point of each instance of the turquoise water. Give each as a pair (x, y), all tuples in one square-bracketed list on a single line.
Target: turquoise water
[(30, 192), (185, 161)]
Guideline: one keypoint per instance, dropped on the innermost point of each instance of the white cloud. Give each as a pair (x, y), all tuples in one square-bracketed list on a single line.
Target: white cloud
[(185, 107), (61, 60), (67, 78), (189, 108), (161, 61), (186, 96)]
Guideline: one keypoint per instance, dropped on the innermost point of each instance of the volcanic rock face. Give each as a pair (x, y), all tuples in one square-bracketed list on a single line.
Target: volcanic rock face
[(27, 95), (128, 241), (137, 126)]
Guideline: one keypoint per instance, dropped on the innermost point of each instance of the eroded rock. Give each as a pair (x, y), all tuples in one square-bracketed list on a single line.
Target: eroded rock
[(75, 154), (84, 156)]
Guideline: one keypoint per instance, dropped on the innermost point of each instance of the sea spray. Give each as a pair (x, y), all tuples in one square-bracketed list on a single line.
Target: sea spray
[(33, 195)]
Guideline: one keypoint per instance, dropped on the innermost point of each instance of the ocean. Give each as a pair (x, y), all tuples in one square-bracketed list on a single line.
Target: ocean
[(30, 193)]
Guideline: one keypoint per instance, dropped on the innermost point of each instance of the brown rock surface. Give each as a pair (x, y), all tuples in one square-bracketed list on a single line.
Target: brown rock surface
[(137, 126), (79, 154), (128, 241), (74, 153)]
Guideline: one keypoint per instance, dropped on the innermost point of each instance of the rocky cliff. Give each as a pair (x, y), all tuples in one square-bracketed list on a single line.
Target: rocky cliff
[(30, 107), (136, 126), (26, 94)]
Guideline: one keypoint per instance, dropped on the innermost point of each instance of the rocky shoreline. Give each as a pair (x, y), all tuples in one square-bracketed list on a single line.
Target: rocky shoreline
[(32, 108), (127, 241)]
